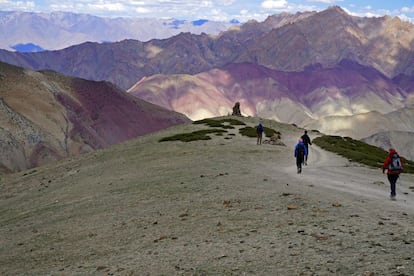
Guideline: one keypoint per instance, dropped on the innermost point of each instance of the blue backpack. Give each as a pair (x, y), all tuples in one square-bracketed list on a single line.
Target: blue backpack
[(395, 165)]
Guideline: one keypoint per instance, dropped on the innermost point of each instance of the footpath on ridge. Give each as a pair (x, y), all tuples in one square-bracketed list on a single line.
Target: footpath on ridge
[(330, 171)]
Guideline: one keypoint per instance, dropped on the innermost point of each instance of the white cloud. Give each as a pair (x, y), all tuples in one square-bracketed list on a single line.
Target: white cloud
[(406, 18), (274, 4), (407, 9), (107, 7), (244, 12), (324, 1), (222, 10), (17, 5), (205, 4), (142, 10), (227, 2)]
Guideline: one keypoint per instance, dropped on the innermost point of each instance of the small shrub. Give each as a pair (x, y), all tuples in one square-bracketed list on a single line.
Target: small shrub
[(251, 132), (220, 123), (248, 131), (358, 151), (193, 136)]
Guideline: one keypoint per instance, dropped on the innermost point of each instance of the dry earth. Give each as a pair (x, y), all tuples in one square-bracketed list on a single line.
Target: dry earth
[(220, 207)]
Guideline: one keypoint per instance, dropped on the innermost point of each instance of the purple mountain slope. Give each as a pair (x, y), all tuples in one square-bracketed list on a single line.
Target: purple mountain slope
[(345, 89), (46, 116)]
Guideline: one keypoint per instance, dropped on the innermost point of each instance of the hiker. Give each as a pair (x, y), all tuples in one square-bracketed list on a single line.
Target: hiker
[(307, 142), (300, 153), (259, 131), (394, 166)]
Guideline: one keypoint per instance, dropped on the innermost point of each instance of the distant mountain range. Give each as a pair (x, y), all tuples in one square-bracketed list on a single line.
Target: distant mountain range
[(327, 70), (33, 32)]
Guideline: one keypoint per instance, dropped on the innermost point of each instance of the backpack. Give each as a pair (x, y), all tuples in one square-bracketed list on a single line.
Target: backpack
[(300, 150), (259, 129), (395, 165)]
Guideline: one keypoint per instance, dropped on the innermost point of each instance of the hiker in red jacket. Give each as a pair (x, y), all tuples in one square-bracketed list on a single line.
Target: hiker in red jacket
[(394, 166)]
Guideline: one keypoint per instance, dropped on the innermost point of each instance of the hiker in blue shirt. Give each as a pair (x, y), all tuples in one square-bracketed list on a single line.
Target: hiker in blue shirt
[(259, 131), (300, 153)]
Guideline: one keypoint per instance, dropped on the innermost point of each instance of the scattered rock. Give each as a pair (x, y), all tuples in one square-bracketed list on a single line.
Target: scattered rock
[(101, 267), (275, 140), (160, 238)]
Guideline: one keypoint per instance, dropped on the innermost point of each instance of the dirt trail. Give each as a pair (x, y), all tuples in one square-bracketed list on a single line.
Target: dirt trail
[(330, 171)]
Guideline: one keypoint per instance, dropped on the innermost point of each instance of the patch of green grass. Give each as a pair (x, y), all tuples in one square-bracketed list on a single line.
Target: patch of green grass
[(193, 136), (220, 123), (251, 132), (358, 151)]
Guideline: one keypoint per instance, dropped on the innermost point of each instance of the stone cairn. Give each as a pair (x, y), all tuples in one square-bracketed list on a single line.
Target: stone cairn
[(236, 109)]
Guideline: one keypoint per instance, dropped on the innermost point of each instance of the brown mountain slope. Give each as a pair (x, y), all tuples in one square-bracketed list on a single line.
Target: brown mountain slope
[(45, 116)]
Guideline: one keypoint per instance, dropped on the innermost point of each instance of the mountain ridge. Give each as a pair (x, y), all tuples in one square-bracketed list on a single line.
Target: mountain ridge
[(253, 42), (69, 29)]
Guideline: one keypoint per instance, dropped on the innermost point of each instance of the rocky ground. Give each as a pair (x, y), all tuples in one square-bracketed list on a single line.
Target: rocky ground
[(224, 206)]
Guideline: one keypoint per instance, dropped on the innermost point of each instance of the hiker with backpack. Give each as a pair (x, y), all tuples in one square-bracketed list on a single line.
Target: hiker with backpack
[(300, 153), (307, 142), (259, 132), (394, 166)]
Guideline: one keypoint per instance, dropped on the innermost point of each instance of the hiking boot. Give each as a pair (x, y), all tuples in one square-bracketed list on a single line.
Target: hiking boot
[(299, 170), (393, 197)]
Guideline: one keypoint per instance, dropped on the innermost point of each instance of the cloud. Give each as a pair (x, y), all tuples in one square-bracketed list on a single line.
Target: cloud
[(274, 4), (407, 9), (324, 1), (227, 2), (19, 5), (107, 7), (142, 10), (219, 10), (206, 4)]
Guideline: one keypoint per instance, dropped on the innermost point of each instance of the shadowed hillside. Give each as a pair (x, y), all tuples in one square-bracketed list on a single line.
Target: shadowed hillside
[(45, 116)]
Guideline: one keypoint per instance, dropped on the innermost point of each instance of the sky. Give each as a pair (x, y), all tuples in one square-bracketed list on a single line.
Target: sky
[(216, 10)]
